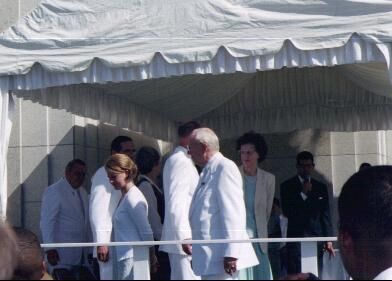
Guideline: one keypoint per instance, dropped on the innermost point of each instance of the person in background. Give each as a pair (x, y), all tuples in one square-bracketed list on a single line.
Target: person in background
[(103, 202), (31, 264), (218, 212), (259, 191), (148, 161), (364, 166), (8, 252), (277, 228), (305, 202), (365, 224), (64, 218), (180, 179), (130, 219)]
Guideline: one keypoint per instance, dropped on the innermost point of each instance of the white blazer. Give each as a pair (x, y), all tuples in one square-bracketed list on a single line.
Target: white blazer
[(130, 223), (264, 199), (218, 212), (104, 200), (64, 221), (180, 179)]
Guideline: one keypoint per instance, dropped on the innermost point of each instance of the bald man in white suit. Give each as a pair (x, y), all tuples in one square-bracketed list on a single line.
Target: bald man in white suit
[(218, 212)]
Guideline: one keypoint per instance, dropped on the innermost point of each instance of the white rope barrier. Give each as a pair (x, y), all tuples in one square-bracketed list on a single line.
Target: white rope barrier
[(193, 242)]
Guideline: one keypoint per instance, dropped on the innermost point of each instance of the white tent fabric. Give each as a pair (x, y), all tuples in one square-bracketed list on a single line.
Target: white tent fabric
[(6, 112), (148, 65)]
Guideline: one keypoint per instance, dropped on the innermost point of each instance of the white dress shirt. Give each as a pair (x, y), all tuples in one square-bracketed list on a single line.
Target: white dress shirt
[(104, 200), (147, 188), (218, 212), (64, 220), (180, 179), (130, 223), (385, 275)]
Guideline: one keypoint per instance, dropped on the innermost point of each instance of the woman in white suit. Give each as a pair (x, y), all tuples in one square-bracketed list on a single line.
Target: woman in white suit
[(259, 192), (130, 220)]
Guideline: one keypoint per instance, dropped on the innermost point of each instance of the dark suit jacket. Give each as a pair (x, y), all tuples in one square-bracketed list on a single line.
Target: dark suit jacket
[(310, 218)]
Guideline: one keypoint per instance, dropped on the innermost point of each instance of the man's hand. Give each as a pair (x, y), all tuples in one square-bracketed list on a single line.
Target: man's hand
[(230, 265), (329, 248), (103, 254), (187, 248), (53, 257), (154, 263), (307, 187)]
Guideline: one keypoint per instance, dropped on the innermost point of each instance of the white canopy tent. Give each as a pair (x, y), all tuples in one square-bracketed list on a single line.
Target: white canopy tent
[(273, 65)]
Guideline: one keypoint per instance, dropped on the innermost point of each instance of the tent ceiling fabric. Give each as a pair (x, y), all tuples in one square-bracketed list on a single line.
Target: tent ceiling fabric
[(115, 54)]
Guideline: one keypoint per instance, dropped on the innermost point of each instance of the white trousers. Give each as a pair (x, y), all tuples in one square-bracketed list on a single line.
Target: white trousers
[(125, 270), (181, 268), (106, 270), (222, 277)]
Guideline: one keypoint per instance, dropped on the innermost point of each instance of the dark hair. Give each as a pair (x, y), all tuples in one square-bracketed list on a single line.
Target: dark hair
[(365, 207), (276, 202), (8, 252), (303, 156), (73, 163), (30, 255), (364, 166), (116, 143), (185, 130), (146, 159), (257, 140)]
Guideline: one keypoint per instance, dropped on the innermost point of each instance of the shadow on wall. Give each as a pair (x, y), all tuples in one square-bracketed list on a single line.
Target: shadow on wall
[(44, 165), (281, 159)]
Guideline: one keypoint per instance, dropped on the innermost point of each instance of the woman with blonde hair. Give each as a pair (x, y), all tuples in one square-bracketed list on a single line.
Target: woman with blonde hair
[(130, 220)]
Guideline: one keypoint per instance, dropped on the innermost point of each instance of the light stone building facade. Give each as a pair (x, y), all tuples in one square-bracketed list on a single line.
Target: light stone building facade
[(44, 139)]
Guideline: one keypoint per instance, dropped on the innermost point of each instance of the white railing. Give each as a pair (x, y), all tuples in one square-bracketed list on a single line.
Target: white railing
[(309, 247)]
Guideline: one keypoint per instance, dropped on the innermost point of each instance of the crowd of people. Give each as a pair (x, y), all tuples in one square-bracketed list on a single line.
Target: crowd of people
[(199, 194)]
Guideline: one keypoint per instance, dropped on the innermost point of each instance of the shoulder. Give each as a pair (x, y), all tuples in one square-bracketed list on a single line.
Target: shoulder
[(267, 175), (319, 184), (55, 188), (135, 197)]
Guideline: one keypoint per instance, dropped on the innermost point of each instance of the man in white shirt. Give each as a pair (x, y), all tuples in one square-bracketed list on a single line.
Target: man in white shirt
[(365, 228), (180, 179), (104, 200), (64, 217), (218, 212)]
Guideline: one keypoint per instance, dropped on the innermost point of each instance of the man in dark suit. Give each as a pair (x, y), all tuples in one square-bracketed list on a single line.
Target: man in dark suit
[(305, 202)]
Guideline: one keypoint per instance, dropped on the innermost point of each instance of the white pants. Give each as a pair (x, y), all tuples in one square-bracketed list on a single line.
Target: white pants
[(181, 268), (221, 277), (106, 270), (124, 270)]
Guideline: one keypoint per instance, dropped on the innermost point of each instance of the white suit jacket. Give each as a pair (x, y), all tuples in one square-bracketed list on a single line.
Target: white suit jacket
[(64, 221), (180, 179), (264, 199), (104, 200), (218, 212), (130, 223)]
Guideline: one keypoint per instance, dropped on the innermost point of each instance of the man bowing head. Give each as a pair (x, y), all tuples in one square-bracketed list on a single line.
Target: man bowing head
[(217, 212)]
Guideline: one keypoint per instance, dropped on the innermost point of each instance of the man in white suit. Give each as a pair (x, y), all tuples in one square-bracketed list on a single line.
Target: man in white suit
[(218, 212), (64, 217), (180, 179), (104, 200)]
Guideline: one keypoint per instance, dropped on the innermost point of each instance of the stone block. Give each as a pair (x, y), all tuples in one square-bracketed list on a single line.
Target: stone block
[(367, 142), (60, 127), (34, 124), (34, 172), (32, 217), (342, 143)]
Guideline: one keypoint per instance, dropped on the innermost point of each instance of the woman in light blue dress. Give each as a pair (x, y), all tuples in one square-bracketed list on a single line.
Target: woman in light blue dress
[(259, 192)]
